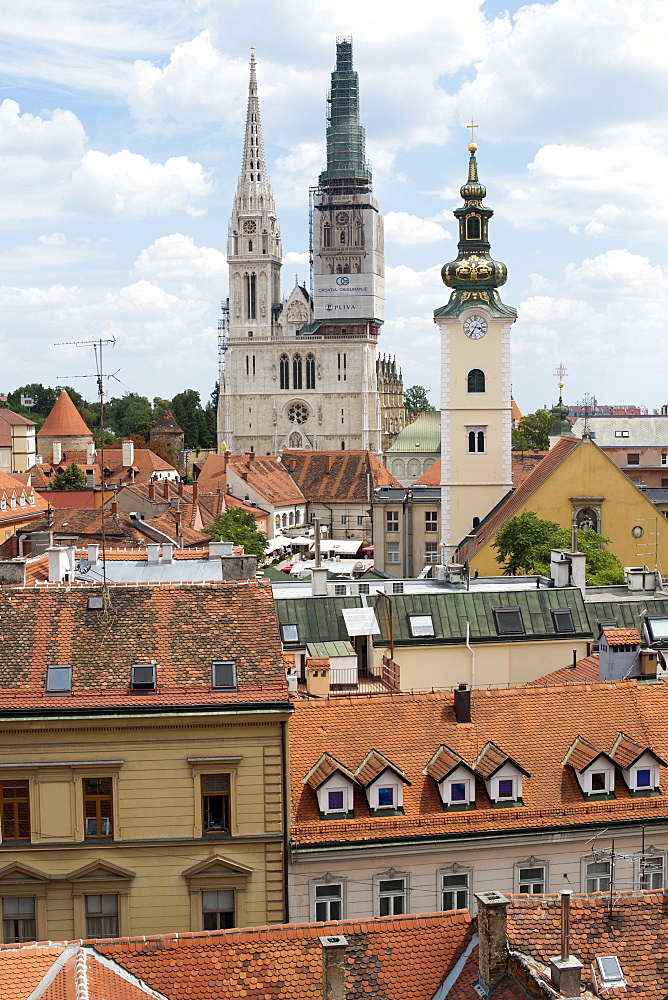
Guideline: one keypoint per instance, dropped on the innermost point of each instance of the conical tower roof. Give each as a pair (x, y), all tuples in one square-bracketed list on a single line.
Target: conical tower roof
[(64, 420), (166, 424), (253, 186)]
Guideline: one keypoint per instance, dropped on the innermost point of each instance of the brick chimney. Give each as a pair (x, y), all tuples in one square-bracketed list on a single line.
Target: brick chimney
[(114, 506), (180, 488), (329, 461), (334, 967), (492, 939), (151, 491), (165, 489), (195, 492)]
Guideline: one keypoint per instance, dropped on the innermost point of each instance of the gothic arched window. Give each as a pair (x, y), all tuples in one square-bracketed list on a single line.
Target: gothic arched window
[(481, 441), (327, 235), (284, 365), (310, 371), (297, 371), (250, 296), (342, 236), (476, 380), (473, 227)]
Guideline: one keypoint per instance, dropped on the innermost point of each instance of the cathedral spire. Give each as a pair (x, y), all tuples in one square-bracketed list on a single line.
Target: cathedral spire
[(474, 276), (346, 158), (253, 188)]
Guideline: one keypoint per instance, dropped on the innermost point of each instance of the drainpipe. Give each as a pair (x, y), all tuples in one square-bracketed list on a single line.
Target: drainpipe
[(286, 820), (472, 652)]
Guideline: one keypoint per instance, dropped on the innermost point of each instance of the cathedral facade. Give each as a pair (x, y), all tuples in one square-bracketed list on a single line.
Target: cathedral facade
[(304, 372)]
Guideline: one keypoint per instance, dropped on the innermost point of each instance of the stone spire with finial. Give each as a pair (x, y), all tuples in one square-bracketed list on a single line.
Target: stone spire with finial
[(561, 425)]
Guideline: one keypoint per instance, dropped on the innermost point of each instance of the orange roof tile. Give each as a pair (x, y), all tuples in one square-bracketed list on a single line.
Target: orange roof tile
[(336, 476), (395, 958), (535, 726), (432, 477), (373, 765), (443, 763), (268, 477), (621, 636), (524, 462), (64, 420), (324, 769), (22, 969), (582, 753), (585, 671)]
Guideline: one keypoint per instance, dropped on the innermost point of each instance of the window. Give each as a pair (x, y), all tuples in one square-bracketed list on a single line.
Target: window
[(18, 919), (508, 621), (598, 781), (610, 972), (475, 381), (473, 227), (250, 296), (563, 620), (97, 807), (328, 901), (284, 366), (224, 674), (102, 916), (392, 552), (391, 896), (59, 679), (335, 800), (327, 235), (289, 633), (215, 803), (342, 368), (360, 520), (664, 458), (621, 434), (458, 792), (431, 520), (597, 876), (391, 520), (506, 788), (633, 458), (386, 797), (344, 519), (476, 440), (455, 890), (531, 879), (142, 677), (297, 371), (421, 625), (340, 589), (643, 777), (15, 810), (217, 909), (431, 552), (651, 871), (310, 371)]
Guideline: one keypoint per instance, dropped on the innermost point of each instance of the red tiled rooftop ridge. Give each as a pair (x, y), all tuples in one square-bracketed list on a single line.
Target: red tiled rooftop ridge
[(64, 420), (336, 476)]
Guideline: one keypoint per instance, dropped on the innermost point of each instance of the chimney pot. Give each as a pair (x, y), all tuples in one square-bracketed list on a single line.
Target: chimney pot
[(165, 489), (180, 488), (492, 939), (463, 703)]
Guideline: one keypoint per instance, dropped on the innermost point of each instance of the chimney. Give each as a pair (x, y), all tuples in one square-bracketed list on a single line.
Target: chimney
[(328, 464), (492, 940), (319, 581), (565, 970), (463, 703), (334, 967), (195, 492), (153, 550), (151, 491), (114, 506), (58, 563), (165, 489), (128, 454), (180, 488), (317, 676), (244, 475), (90, 453), (167, 553), (12, 572), (57, 452), (250, 455), (218, 549), (93, 554)]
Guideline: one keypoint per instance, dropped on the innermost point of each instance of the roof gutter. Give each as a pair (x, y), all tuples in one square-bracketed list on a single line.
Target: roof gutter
[(115, 712)]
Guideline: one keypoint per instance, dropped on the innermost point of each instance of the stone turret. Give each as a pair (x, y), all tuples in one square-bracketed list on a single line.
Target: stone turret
[(168, 430), (65, 427)]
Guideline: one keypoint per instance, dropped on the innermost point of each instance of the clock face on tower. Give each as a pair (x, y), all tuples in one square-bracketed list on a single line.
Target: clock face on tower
[(249, 226), (475, 327)]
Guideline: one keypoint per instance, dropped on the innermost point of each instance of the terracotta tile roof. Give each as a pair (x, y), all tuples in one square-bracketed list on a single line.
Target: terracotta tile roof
[(432, 477), (324, 769), (515, 412), (7, 419), (337, 476), (626, 751), (64, 420), (391, 958), (444, 762), (536, 726), (15, 500), (181, 628), (515, 500), (621, 636), (585, 671), (22, 969), (167, 424), (266, 475), (491, 758), (86, 525), (524, 462), (466, 986), (582, 753), (145, 463), (213, 473), (373, 765), (637, 934)]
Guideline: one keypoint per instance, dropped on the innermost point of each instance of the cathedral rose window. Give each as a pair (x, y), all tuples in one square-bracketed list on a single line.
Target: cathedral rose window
[(298, 413)]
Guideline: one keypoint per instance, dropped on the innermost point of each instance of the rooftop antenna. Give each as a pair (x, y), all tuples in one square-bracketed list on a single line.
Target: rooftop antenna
[(98, 346), (586, 402)]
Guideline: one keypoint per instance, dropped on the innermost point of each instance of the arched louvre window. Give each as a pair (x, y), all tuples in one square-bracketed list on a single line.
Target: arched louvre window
[(310, 371), (473, 227), (471, 441), (297, 371), (476, 380), (285, 371)]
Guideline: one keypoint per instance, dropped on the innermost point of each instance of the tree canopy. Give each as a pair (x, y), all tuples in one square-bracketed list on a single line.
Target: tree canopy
[(417, 401), (71, 478), (523, 548), (531, 434), (238, 526)]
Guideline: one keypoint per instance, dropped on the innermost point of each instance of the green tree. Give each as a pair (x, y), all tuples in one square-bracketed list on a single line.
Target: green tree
[(416, 400), (531, 433), (238, 526), (71, 478), (523, 548), (131, 414), (198, 424)]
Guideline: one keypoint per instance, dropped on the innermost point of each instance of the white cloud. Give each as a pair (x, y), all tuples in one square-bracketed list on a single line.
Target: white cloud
[(177, 256), (401, 227)]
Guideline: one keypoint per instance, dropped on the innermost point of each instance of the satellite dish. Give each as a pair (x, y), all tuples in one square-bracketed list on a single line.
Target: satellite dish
[(83, 566)]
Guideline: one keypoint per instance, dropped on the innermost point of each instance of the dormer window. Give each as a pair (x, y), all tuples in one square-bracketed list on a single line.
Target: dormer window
[(639, 765), (454, 779), (593, 769), (506, 788), (143, 677), (289, 633), (599, 781), (334, 786), (421, 625), (224, 675), (502, 776), (643, 777), (382, 782)]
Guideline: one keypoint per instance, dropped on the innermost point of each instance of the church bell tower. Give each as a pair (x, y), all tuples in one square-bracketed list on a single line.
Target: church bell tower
[(476, 455)]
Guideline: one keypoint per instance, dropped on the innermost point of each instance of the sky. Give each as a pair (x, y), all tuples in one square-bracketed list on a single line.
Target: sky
[(121, 130)]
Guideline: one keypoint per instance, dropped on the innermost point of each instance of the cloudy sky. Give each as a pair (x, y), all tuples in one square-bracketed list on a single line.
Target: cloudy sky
[(121, 126)]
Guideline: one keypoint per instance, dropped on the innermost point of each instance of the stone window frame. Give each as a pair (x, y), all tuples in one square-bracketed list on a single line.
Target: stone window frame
[(200, 766), (327, 879), (532, 862), (455, 869)]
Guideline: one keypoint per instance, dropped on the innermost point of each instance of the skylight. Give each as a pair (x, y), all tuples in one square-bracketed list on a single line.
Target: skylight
[(610, 972), (657, 628), (563, 620), (59, 678), (508, 621), (289, 633), (142, 677), (360, 621), (224, 674), (421, 625)]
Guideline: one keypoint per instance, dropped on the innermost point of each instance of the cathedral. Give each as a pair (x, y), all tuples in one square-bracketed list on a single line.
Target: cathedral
[(304, 372)]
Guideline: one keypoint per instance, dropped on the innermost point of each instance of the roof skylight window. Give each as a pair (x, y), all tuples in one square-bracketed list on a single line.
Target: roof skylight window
[(610, 972), (289, 633), (143, 677), (421, 625), (508, 621), (59, 678), (563, 620), (224, 674)]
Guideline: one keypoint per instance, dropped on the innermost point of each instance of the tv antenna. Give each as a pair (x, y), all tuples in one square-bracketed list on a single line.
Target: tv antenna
[(98, 345)]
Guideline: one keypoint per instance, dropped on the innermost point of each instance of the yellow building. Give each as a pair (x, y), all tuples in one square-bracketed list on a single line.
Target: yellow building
[(578, 485), (142, 760)]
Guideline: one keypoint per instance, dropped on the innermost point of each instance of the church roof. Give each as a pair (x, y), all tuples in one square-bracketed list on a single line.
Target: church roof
[(337, 476), (422, 434), (64, 420)]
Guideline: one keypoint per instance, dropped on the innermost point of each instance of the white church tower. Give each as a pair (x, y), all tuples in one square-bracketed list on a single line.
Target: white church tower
[(295, 376), (476, 455)]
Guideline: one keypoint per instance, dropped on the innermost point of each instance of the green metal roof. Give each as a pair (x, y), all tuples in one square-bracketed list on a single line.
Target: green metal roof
[(424, 431), (330, 649), (320, 619), (346, 158), (627, 613)]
